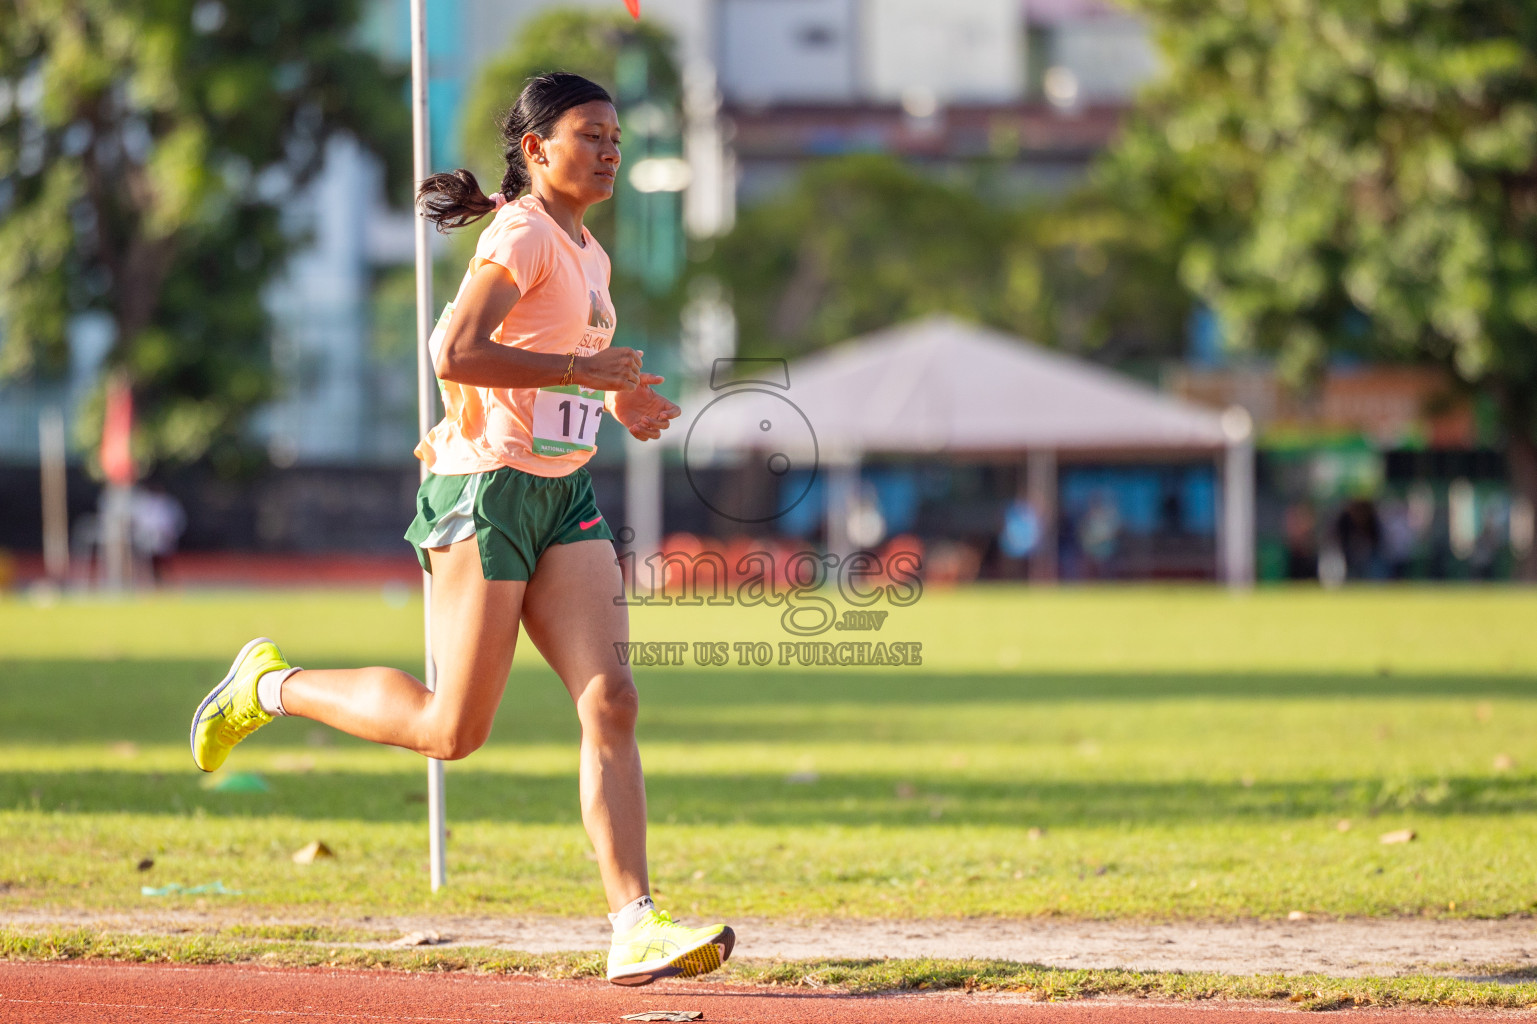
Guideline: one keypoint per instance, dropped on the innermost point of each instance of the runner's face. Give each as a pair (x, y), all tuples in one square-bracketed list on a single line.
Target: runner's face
[(581, 156)]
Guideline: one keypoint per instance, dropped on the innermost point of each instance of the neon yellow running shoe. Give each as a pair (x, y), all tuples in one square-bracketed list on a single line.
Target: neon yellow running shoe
[(230, 712), (659, 948)]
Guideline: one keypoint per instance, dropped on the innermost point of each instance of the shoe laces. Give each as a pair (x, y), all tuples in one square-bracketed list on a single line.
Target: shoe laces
[(239, 727), (663, 919)]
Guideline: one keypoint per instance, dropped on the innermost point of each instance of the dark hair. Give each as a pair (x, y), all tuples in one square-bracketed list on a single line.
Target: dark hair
[(454, 200)]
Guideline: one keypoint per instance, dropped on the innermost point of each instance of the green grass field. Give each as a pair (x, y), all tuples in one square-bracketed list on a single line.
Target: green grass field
[(1128, 753)]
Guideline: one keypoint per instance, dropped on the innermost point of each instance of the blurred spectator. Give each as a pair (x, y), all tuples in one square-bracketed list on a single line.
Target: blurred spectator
[(1490, 544), (1398, 538), (157, 524), (1171, 510), (1300, 526), (1017, 540), (1021, 529), (1358, 532), (1099, 534), (1069, 546)]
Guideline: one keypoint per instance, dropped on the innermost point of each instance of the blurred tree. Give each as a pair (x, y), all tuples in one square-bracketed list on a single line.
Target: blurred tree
[(147, 148), (1343, 175), (586, 43), (862, 242)]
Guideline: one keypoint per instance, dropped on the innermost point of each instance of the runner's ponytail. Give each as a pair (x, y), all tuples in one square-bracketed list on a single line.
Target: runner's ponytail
[(454, 200)]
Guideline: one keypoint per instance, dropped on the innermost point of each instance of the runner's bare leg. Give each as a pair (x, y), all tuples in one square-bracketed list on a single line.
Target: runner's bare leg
[(474, 633), (570, 615)]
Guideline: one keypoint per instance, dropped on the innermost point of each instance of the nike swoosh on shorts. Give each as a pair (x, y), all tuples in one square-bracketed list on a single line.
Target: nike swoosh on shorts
[(590, 523)]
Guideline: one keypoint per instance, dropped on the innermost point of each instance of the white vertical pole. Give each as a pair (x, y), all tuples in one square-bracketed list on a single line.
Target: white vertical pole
[(1236, 534), (643, 507), (50, 433), (426, 382), (117, 537)]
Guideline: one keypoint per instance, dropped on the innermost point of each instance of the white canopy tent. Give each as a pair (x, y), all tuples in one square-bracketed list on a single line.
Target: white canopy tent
[(942, 385)]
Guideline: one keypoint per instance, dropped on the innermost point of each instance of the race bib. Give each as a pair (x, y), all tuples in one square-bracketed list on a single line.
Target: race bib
[(566, 420)]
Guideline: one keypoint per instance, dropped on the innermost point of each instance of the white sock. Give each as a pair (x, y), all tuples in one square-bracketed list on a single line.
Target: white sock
[(630, 914), (269, 690)]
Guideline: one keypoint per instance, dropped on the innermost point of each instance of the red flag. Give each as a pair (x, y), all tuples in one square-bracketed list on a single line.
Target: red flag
[(117, 432), (634, 8)]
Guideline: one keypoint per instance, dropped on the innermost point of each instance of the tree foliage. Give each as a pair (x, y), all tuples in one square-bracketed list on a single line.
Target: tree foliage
[(859, 243), (147, 148), (1353, 174)]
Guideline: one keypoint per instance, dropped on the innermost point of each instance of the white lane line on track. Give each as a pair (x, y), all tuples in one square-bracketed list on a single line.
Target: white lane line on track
[(326, 1014)]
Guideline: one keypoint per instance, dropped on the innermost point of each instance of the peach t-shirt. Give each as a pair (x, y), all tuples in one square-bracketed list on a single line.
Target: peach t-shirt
[(564, 305)]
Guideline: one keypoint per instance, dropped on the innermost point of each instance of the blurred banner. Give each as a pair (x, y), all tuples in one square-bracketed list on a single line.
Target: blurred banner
[(116, 433)]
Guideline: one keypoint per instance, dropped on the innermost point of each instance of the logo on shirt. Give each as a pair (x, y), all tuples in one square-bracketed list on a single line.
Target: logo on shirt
[(600, 314)]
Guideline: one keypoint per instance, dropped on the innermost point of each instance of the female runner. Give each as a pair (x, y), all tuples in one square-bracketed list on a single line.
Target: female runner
[(506, 521)]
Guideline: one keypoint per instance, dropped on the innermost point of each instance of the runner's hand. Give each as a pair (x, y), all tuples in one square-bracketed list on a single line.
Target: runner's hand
[(644, 412), (611, 369)]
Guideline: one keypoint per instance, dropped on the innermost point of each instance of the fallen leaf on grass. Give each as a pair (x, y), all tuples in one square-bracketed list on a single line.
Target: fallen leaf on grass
[(146, 863), (1403, 835), (312, 852), (420, 939)]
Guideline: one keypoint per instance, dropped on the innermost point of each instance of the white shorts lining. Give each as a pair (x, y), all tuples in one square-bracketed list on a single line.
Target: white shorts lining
[(458, 523)]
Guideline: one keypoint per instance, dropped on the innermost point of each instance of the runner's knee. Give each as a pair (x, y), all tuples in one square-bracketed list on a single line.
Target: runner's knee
[(610, 704), (450, 741)]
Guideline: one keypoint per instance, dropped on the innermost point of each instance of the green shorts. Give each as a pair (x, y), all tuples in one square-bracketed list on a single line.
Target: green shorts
[(512, 515)]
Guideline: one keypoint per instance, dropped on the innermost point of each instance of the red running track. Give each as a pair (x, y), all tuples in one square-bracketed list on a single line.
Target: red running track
[(88, 993)]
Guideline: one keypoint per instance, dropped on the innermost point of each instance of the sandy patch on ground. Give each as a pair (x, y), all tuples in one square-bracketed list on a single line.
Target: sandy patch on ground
[(1339, 948)]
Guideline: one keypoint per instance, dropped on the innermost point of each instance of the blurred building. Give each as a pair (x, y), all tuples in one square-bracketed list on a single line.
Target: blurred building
[(768, 85), (1374, 473), (1035, 86)]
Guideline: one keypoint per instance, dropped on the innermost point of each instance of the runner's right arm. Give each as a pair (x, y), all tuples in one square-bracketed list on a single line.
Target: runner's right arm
[(469, 356)]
